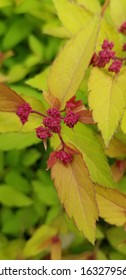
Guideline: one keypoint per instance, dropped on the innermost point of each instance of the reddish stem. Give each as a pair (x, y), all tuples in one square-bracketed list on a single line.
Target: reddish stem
[(38, 113), (61, 139)]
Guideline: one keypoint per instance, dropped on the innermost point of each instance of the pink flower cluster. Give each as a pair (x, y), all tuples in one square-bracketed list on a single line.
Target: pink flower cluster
[(23, 112), (105, 56), (52, 122)]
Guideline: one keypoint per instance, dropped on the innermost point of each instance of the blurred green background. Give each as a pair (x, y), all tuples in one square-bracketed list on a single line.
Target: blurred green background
[(33, 224)]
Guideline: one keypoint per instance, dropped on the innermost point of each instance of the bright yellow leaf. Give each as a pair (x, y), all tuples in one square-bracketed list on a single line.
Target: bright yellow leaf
[(76, 193), (118, 11), (116, 149), (92, 6), (69, 67), (123, 123), (111, 205), (106, 99), (72, 16)]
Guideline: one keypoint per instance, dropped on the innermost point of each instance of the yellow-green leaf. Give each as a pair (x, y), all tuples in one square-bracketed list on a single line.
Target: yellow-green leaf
[(86, 141), (76, 193), (73, 16), (92, 6), (116, 149), (109, 32), (40, 241), (55, 29), (111, 205), (69, 67), (123, 123), (117, 238), (10, 122), (13, 198), (106, 99), (118, 11)]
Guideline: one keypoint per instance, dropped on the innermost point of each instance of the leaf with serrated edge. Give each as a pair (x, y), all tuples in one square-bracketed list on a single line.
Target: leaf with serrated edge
[(111, 205), (70, 65), (76, 193), (106, 99), (77, 17), (87, 143)]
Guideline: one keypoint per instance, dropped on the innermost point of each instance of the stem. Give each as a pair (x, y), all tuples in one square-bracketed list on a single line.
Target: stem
[(104, 7), (61, 139), (38, 113)]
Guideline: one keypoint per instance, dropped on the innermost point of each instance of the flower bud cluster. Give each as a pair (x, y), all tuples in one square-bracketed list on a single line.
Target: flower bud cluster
[(105, 56), (23, 112)]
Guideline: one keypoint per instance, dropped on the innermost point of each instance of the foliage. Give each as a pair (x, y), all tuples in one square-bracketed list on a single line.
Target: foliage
[(66, 89)]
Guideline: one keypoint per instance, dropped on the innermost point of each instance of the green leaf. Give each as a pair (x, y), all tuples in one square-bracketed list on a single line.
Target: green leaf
[(20, 221), (10, 141), (36, 46), (75, 19), (69, 67), (30, 157), (40, 241), (11, 197), (39, 81), (17, 181), (74, 187), (118, 11), (106, 99), (45, 193), (117, 238), (17, 32), (5, 3), (87, 143), (17, 73)]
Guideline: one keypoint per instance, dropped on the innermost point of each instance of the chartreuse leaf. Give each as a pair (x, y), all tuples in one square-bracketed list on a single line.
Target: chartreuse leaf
[(108, 31), (10, 122), (13, 35), (69, 67), (11, 197), (85, 140), (74, 187), (77, 18), (92, 6), (5, 3), (117, 238), (123, 123), (112, 205), (118, 11), (36, 46), (39, 81), (54, 28), (45, 193), (40, 241), (106, 99), (10, 141)]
